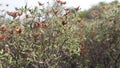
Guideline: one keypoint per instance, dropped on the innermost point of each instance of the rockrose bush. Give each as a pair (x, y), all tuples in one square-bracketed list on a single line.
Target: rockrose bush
[(40, 37)]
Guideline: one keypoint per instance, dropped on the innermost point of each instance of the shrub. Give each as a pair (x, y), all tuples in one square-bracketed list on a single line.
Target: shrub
[(59, 37)]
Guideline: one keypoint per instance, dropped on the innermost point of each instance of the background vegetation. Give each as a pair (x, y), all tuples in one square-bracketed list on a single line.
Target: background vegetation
[(59, 37)]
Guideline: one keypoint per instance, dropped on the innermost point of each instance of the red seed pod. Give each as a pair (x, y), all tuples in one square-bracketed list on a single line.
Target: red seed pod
[(3, 28), (55, 11), (68, 12), (40, 4), (63, 3), (44, 25), (81, 26), (36, 24), (27, 16), (3, 36), (66, 9), (19, 14), (64, 22), (58, 1), (18, 30), (77, 8), (35, 35), (13, 14), (79, 20)]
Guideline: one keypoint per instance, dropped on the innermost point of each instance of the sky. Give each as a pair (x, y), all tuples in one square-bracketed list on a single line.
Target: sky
[(84, 4)]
